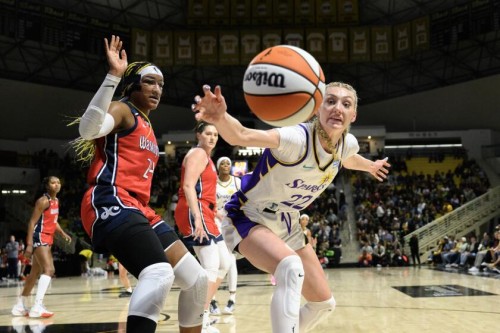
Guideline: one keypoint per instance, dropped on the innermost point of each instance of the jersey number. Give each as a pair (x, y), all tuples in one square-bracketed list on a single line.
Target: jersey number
[(298, 201), (150, 169)]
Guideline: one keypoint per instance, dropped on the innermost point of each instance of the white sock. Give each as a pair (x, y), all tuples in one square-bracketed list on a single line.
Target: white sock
[(232, 296), (43, 285)]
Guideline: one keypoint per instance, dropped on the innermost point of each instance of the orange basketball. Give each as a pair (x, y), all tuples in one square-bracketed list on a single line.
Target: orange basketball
[(284, 85)]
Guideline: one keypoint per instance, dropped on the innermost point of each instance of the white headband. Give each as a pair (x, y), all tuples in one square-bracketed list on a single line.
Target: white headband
[(152, 69), (223, 158)]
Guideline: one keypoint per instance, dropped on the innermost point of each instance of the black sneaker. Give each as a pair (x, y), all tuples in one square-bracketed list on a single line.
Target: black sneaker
[(125, 294)]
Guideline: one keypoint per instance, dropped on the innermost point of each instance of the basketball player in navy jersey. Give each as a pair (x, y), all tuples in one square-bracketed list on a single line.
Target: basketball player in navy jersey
[(118, 138), (298, 164)]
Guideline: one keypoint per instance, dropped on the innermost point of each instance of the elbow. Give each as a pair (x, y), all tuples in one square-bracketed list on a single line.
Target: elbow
[(83, 129)]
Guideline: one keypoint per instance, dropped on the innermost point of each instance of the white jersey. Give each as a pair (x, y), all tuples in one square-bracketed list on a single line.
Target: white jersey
[(226, 189), (286, 180)]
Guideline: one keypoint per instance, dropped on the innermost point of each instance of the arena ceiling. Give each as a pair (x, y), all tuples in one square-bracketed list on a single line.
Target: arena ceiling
[(472, 51)]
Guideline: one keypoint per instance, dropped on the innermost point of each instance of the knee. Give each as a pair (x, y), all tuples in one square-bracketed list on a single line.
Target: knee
[(290, 271), (50, 271), (225, 264)]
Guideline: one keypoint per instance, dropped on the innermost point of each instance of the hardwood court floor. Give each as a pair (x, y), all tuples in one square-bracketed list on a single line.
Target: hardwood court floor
[(367, 301)]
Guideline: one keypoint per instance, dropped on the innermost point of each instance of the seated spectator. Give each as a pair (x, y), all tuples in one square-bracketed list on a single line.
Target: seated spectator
[(494, 264), (452, 258), (483, 249), (367, 247), (447, 247), (470, 254), (400, 258), (365, 259)]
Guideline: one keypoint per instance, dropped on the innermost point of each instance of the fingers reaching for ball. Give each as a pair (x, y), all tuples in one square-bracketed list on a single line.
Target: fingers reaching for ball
[(211, 107)]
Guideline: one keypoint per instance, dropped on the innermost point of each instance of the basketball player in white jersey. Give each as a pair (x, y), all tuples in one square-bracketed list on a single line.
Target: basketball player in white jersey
[(227, 185), (262, 221)]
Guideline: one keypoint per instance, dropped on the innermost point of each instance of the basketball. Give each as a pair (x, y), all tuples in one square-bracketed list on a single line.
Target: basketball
[(284, 85)]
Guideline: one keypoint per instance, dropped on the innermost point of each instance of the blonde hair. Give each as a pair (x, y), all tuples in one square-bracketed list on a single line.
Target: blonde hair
[(84, 149)]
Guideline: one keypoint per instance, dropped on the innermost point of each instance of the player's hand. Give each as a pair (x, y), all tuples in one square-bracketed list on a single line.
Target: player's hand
[(379, 169), (28, 251), (117, 57), (200, 234), (212, 107)]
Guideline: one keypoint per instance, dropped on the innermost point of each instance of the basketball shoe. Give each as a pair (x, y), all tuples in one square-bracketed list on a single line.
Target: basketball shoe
[(207, 325), (20, 310), (39, 311), (214, 308), (229, 309)]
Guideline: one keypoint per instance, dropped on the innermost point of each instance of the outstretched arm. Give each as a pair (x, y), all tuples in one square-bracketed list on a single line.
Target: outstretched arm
[(212, 108), (378, 168), (96, 121)]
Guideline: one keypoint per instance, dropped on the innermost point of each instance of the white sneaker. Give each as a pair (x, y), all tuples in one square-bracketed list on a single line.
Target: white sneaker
[(20, 310), (207, 325), (214, 308), (39, 311), (229, 309), (473, 269), (447, 266)]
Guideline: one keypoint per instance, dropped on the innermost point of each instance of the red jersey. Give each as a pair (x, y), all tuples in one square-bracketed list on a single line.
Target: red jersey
[(45, 227), (206, 192), (121, 173)]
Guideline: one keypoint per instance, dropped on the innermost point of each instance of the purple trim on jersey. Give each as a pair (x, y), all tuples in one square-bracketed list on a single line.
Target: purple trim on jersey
[(266, 162), (233, 207), (240, 221)]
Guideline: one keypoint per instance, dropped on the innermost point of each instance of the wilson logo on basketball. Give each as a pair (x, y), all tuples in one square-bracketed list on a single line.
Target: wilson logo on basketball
[(266, 79)]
